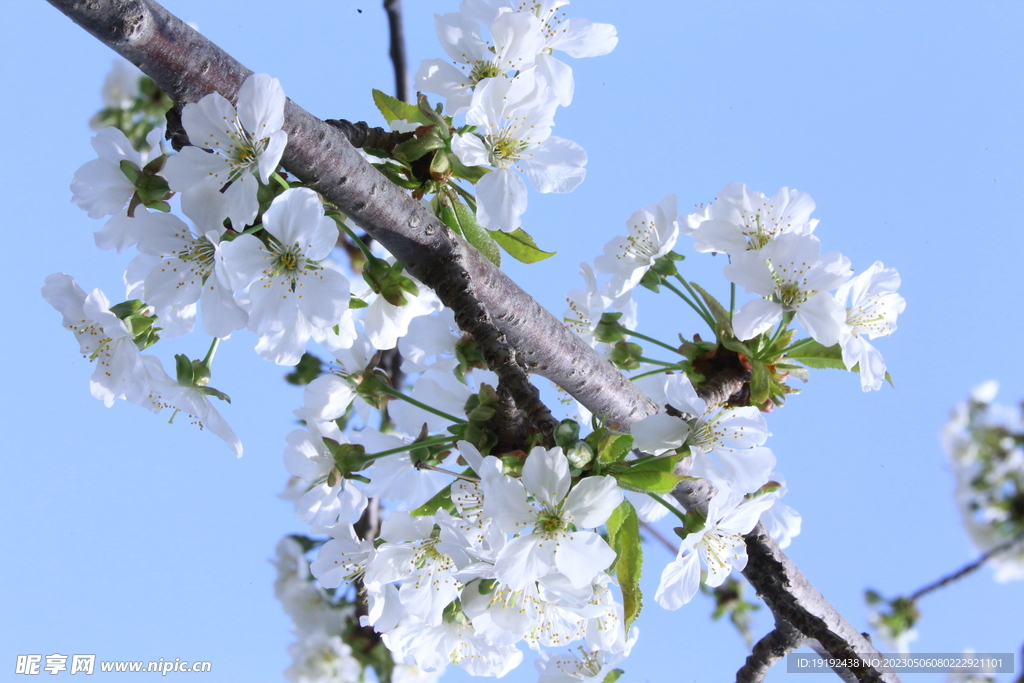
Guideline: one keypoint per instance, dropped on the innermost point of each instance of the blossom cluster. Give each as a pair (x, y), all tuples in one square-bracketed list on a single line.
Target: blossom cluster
[(479, 549), (509, 86), (253, 255), (985, 444)]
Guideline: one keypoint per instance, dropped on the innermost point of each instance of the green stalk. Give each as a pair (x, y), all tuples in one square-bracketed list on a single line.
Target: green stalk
[(650, 339), (704, 316), (208, 361), (281, 181), (652, 361), (671, 508), (429, 441), (408, 399), (352, 235)]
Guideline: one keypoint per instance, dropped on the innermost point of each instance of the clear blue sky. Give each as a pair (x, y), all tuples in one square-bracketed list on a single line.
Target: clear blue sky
[(131, 539)]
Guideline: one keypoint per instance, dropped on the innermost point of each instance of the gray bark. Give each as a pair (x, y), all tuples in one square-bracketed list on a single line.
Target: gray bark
[(486, 302)]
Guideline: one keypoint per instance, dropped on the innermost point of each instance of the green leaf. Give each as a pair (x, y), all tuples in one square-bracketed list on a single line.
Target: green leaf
[(411, 150), (442, 500), (665, 463), (624, 538), (760, 383), (814, 355), (216, 393), (393, 109), (185, 370), (650, 480), (614, 447), (308, 369), (474, 234), (433, 117), (613, 676), (721, 315), (520, 246)]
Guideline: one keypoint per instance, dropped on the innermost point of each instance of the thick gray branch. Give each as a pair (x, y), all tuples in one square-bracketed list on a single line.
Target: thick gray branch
[(488, 304), (776, 644), (188, 66)]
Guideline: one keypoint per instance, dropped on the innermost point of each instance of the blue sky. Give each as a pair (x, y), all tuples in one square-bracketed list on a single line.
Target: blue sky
[(129, 538)]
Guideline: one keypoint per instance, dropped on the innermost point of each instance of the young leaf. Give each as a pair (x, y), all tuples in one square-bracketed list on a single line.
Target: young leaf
[(717, 310), (393, 110), (442, 500), (624, 538), (475, 235), (520, 246), (814, 355), (650, 480)]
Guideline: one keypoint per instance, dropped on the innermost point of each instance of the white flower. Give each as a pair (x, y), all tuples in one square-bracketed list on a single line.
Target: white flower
[(319, 658), (165, 392), (720, 547), (517, 41), (101, 188), (102, 337), (321, 504), (121, 85), (433, 647), (652, 234), (874, 305), (790, 272), (579, 555), (574, 36), (514, 120), (740, 219), (587, 306), (290, 291), (242, 142), (343, 558), (437, 388), (176, 270), (394, 477), (384, 323)]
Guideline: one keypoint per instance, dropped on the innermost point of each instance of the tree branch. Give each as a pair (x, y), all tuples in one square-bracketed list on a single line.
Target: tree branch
[(397, 50), (969, 568), (487, 303), (766, 652)]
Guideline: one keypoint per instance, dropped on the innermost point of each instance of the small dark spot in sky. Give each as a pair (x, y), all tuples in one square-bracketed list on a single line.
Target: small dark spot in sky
[(360, 11)]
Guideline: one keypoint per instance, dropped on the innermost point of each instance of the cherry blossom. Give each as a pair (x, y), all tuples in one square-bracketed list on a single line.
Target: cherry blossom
[(230, 146)]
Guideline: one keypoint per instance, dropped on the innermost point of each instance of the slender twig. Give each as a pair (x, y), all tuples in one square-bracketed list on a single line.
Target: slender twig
[(766, 652), (361, 135), (967, 569), (660, 537), (397, 50), (425, 466)]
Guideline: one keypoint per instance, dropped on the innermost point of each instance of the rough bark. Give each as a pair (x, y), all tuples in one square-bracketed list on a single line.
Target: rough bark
[(487, 303), (776, 644)]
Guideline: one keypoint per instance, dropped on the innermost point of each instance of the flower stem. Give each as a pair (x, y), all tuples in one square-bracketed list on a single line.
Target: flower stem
[(281, 181), (645, 374), (429, 441), (351, 234), (787, 318), (650, 339), (653, 361), (425, 466), (696, 297), (408, 399), (704, 316), (208, 361), (671, 508), (796, 346), (732, 299)]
